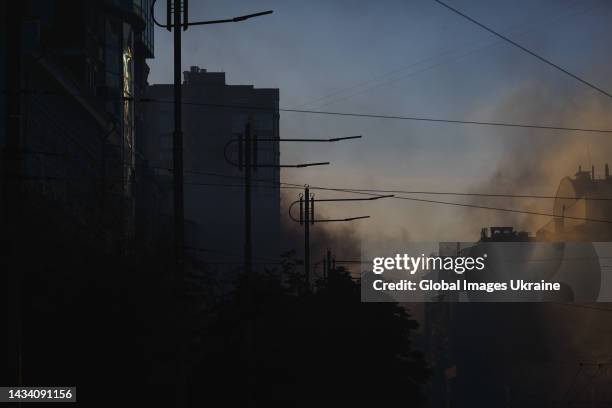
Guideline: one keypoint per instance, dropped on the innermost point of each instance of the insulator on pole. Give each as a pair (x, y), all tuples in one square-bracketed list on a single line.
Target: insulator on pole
[(312, 210), (169, 14), (185, 14), (301, 211), (306, 205)]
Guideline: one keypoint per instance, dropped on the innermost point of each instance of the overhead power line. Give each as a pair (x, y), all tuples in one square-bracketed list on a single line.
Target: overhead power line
[(450, 193), (422, 200), (355, 191), (356, 114), (510, 210), (359, 191), (448, 56), (528, 51), (476, 206), (482, 207), (381, 191), (373, 192), (489, 195), (395, 117), (438, 120)]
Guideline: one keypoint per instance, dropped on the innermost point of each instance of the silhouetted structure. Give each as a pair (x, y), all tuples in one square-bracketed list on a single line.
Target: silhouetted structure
[(522, 354), (503, 234), (214, 114), (86, 253), (77, 143), (581, 197), (69, 178)]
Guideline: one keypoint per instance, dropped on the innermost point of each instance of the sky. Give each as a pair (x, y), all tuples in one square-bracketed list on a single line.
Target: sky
[(416, 58)]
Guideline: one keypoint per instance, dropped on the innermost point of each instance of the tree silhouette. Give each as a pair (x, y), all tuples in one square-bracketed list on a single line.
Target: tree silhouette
[(311, 349)]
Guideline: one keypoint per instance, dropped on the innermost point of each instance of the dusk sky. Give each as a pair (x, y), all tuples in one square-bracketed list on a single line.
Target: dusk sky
[(416, 58)]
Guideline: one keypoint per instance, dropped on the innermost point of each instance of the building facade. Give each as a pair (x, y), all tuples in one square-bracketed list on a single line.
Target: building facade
[(68, 164), (81, 63), (215, 115)]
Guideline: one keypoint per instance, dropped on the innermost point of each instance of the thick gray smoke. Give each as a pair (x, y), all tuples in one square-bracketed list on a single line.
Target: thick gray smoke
[(536, 160), (553, 345)]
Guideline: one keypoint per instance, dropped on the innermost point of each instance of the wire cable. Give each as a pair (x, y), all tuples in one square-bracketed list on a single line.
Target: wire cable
[(528, 51), (510, 210), (483, 207), (295, 186), (433, 65), (364, 115), (396, 117)]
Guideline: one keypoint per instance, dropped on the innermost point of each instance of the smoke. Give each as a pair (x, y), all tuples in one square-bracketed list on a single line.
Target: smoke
[(552, 339), (536, 160)]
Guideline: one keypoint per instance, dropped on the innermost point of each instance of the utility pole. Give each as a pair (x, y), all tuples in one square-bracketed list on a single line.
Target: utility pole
[(248, 166), (248, 263), (177, 7), (179, 10), (307, 218), (247, 161)]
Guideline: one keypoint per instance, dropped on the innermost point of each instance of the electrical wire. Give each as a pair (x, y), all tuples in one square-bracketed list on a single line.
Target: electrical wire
[(510, 210), (384, 191), (450, 193), (360, 191), (528, 51), (414, 199), (363, 115), (336, 96), (395, 117)]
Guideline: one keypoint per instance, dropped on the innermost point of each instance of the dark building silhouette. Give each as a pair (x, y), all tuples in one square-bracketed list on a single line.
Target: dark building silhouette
[(522, 354), (87, 262), (214, 114), (503, 234), (572, 201), (70, 180), (77, 140)]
